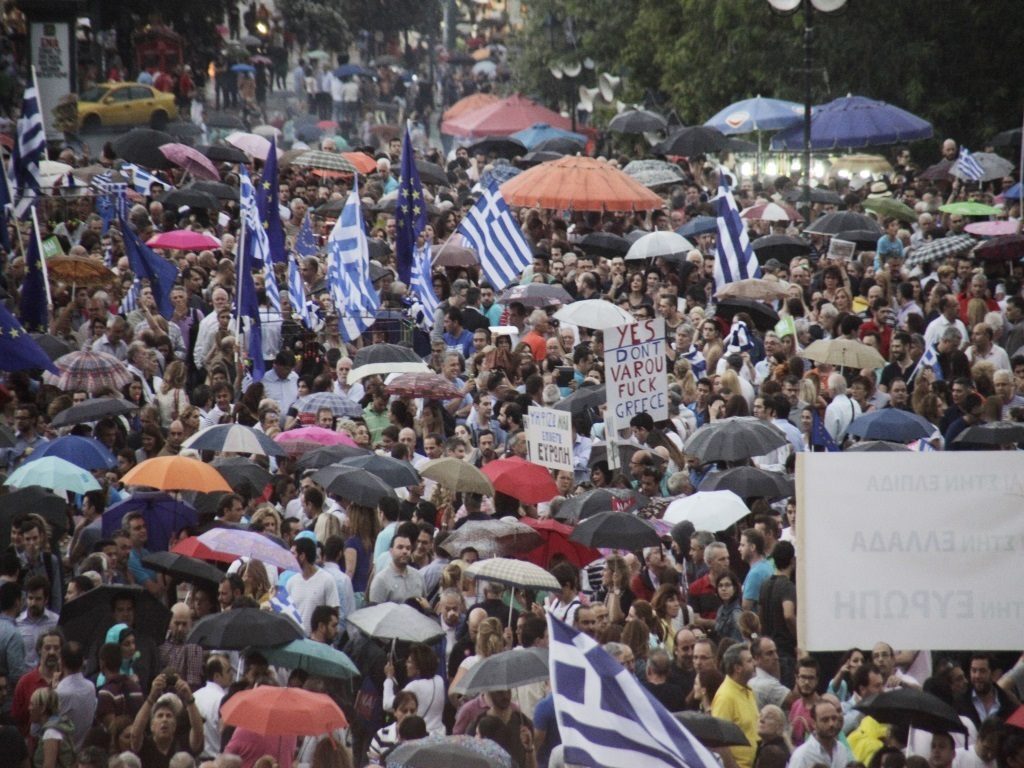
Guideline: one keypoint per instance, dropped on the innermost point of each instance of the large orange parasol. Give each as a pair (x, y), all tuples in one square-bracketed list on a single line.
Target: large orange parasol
[(502, 118), (274, 711), (177, 473), (468, 104), (578, 184)]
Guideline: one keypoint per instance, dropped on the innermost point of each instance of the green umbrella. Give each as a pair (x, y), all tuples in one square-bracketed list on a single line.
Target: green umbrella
[(54, 473), (316, 658), (318, 54), (970, 209), (887, 207)]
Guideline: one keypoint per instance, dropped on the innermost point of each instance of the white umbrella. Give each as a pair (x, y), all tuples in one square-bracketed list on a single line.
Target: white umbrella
[(385, 369), (513, 573), (394, 621), (707, 510), (668, 245), (595, 313)]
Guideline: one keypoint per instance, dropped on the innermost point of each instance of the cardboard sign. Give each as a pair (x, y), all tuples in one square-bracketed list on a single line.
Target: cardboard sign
[(549, 437), (636, 371)]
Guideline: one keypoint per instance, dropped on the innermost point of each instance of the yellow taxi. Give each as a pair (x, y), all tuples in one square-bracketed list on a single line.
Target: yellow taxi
[(124, 104)]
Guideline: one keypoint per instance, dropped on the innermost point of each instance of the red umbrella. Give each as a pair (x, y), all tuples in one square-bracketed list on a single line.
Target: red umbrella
[(192, 160), (184, 240), (556, 542), (193, 547), (1005, 248), (503, 118), (362, 161), (529, 483), (272, 711)]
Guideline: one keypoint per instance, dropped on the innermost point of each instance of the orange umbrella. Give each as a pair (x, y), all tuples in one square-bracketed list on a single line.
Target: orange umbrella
[(271, 711), (176, 473), (468, 104), (362, 161), (578, 184), (503, 118)]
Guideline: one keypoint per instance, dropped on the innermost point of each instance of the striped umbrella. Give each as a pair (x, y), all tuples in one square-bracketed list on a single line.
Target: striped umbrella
[(324, 161), (940, 248), (233, 438), (89, 371)]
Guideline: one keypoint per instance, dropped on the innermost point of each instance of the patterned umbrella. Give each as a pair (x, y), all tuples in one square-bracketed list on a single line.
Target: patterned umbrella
[(536, 295), (940, 248), (654, 173), (325, 161), (771, 212), (232, 541), (89, 371), (192, 160), (513, 573), (430, 385), (233, 438), (1005, 248), (339, 405)]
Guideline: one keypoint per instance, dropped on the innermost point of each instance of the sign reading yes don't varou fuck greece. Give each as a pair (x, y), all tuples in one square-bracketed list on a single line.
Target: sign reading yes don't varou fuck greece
[(635, 370)]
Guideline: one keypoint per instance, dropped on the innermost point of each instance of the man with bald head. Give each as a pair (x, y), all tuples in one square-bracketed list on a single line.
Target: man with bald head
[(683, 672), (184, 658), (354, 392)]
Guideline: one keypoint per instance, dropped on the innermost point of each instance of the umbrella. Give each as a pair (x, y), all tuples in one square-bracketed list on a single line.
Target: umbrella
[(432, 173), (338, 405), (89, 615), (502, 118), (756, 114), (707, 510), (324, 161), (192, 160), (604, 244), (863, 239), (940, 248), (506, 670), (391, 621), (941, 171), (241, 543), (842, 221), (699, 225), (993, 433), (557, 543), (332, 454), (448, 751), (55, 473), (52, 346), (712, 732), (523, 480), (756, 288), (689, 142), (457, 476), (236, 629), (970, 208), (395, 473), (253, 145), (51, 507), (887, 207), (142, 147), (183, 567), (600, 500), (670, 246), (819, 195), (893, 425), (854, 121), (846, 353), (362, 162), (248, 68), (354, 484), (764, 317), (450, 255), (318, 54), (749, 482), (429, 385), (184, 240), (89, 371), (600, 314), (771, 212), (468, 104), (587, 396), (297, 441), (233, 438), (637, 121), (579, 184), (316, 658), (513, 573), (192, 547), (542, 133), (79, 270), (536, 295), (781, 247), (914, 708), (992, 228), (616, 530), (191, 197), (536, 157), (734, 439), (244, 475), (500, 146), (92, 410), (221, 154), (875, 446), (1005, 248), (992, 166), (268, 132), (176, 473), (85, 452), (492, 538), (654, 173), (1013, 193), (384, 353)]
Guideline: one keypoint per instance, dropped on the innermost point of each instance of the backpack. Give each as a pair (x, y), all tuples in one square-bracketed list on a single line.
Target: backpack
[(66, 751)]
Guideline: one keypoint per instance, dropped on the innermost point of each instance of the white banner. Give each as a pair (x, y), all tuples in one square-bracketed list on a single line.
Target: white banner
[(636, 371), (921, 550), (549, 437), (51, 54)]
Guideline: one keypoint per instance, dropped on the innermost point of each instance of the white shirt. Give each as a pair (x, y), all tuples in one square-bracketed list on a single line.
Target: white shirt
[(811, 753), (840, 412), (204, 336), (307, 594), (996, 355), (208, 700), (933, 332), (284, 391)]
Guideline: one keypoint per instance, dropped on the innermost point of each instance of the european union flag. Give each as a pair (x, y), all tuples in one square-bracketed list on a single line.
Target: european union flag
[(18, 350), (410, 213), (147, 265), (820, 438), (305, 243), (268, 205), (247, 302), (34, 313)]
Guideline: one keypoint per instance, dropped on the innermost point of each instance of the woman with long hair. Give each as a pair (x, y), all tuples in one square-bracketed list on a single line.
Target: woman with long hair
[(637, 635), (670, 613), (421, 667), (705, 686), (152, 443), (190, 418), (728, 589), (643, 611), (490, 640), (615, 592), (841, 685), (257, 582), (172, 397), (362, 524)]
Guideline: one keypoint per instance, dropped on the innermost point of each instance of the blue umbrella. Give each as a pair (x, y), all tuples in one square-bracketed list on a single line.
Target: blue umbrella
[(1013, 193), (164, 516), (85, 452), (54, 473), (757, 114), (499, 173), (540, 132), (891, 424), (698, 226), (348, 70), (854, 121), (243, 68)]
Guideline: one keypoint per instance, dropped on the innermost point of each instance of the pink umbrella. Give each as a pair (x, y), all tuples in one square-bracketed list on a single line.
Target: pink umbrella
[(992, 228), (771, 212), (299, 441), (184, 240), (251, 144), (191, 160), (502, 118)]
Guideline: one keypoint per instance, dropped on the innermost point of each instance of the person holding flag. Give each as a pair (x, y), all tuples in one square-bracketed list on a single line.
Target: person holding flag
[(410, 212), (348, 271), (735, 259), (308, 310), (28, 152), (493, 232)]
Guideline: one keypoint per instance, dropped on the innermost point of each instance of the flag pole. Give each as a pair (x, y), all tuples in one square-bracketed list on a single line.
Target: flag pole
[(42, 259), (42, 117)]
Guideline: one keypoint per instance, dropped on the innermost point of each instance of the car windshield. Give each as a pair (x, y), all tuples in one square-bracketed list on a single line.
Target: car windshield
[(93, 94)]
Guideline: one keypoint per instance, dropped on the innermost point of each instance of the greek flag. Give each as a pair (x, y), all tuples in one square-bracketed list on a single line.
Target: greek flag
[(29, 151), (967, 167), (606, 716), (698, 365), (930, 359), (141, 179), (423, 285), (130, 301), (304, 307), (492, 231), (258, 248), (738, 339), (280, 603), (736, 260), (112, 203), (348, 271), (5, 204)]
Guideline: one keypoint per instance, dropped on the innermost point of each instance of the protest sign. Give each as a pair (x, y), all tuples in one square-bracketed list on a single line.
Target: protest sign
[(549, 437), (635, 370)]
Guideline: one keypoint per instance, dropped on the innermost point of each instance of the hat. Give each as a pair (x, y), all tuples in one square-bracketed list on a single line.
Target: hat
[(878, 189), (118, 633)]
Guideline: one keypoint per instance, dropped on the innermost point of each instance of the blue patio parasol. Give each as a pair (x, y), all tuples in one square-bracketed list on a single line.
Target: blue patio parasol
[(540, 132), (854, 121), (757, 114)]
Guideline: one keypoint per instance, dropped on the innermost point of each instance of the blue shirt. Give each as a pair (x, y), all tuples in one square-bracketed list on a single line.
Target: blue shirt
[(544, 720), (139, 572), (757, 575), (463, 343)]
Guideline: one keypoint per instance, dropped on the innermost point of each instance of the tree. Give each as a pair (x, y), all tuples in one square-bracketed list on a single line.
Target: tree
[(322, 23)]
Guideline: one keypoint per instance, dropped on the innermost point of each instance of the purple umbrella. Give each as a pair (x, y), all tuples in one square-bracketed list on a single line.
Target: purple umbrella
[(164, 516), (232, 541), (854, 121)]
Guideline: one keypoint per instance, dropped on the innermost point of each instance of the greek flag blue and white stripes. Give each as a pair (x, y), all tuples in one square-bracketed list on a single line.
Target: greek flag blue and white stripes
[(736, 260), (698, 364), (251, 256), (423, 284), (606, 717), (130, 301), (967, 167), (303, 306), (112, 202), (492, 231), (929, 359), (738, 339), (141, 179), (348, 271), (29, 151)]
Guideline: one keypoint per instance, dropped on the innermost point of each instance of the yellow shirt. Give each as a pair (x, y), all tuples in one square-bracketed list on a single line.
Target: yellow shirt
[(867, 739), (737, 704)]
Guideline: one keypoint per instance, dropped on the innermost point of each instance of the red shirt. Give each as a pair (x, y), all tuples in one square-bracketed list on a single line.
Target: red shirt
[(884, 331), (27, 685)]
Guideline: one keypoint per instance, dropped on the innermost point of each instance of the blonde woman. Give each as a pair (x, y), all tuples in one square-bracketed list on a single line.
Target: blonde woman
[(257, 582), (266, 520), (490, 640), (172, 397)]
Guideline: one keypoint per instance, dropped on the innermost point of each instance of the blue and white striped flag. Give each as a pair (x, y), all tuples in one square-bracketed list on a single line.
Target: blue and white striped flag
[(698, 365), (967, 167), (112, 202), (492, 231), (348, 271), (29, 151), (141, 179), (252, 255), (301, 305), (606, 717), (929, 359), (736, 260), (281, 604), (738, 339), (423, 284), (130, 301)]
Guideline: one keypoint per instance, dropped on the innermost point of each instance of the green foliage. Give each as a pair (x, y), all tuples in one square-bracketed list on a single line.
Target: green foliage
[(323, 22), (393, 15)]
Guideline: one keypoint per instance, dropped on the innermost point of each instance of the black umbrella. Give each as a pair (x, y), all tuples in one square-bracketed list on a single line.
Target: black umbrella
[(587, 396), (696, 140), (354, 484), (1010, 138), (842, 221), (222, 154), (89, 615), (397, 474), (563, 145), (241, 627), (875, 446), (52, 508), (863, 239), (712, 732), (765, 318), (52, 346), (734, 144), (994, 433), (619, 530), (599, 500), (431, 173), (142, 147), (184, 130), (93, 410), (818, 195), (501, 146), (536, 295), (914, 708), (747, 482), (637, 121), (331, 209), (385, 353), (183, 567), (218, 189), (331, 454), (225, 120), (734, 439), (243, 474), (783, 248), (536, 158), (193, 198), (604, 244)]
